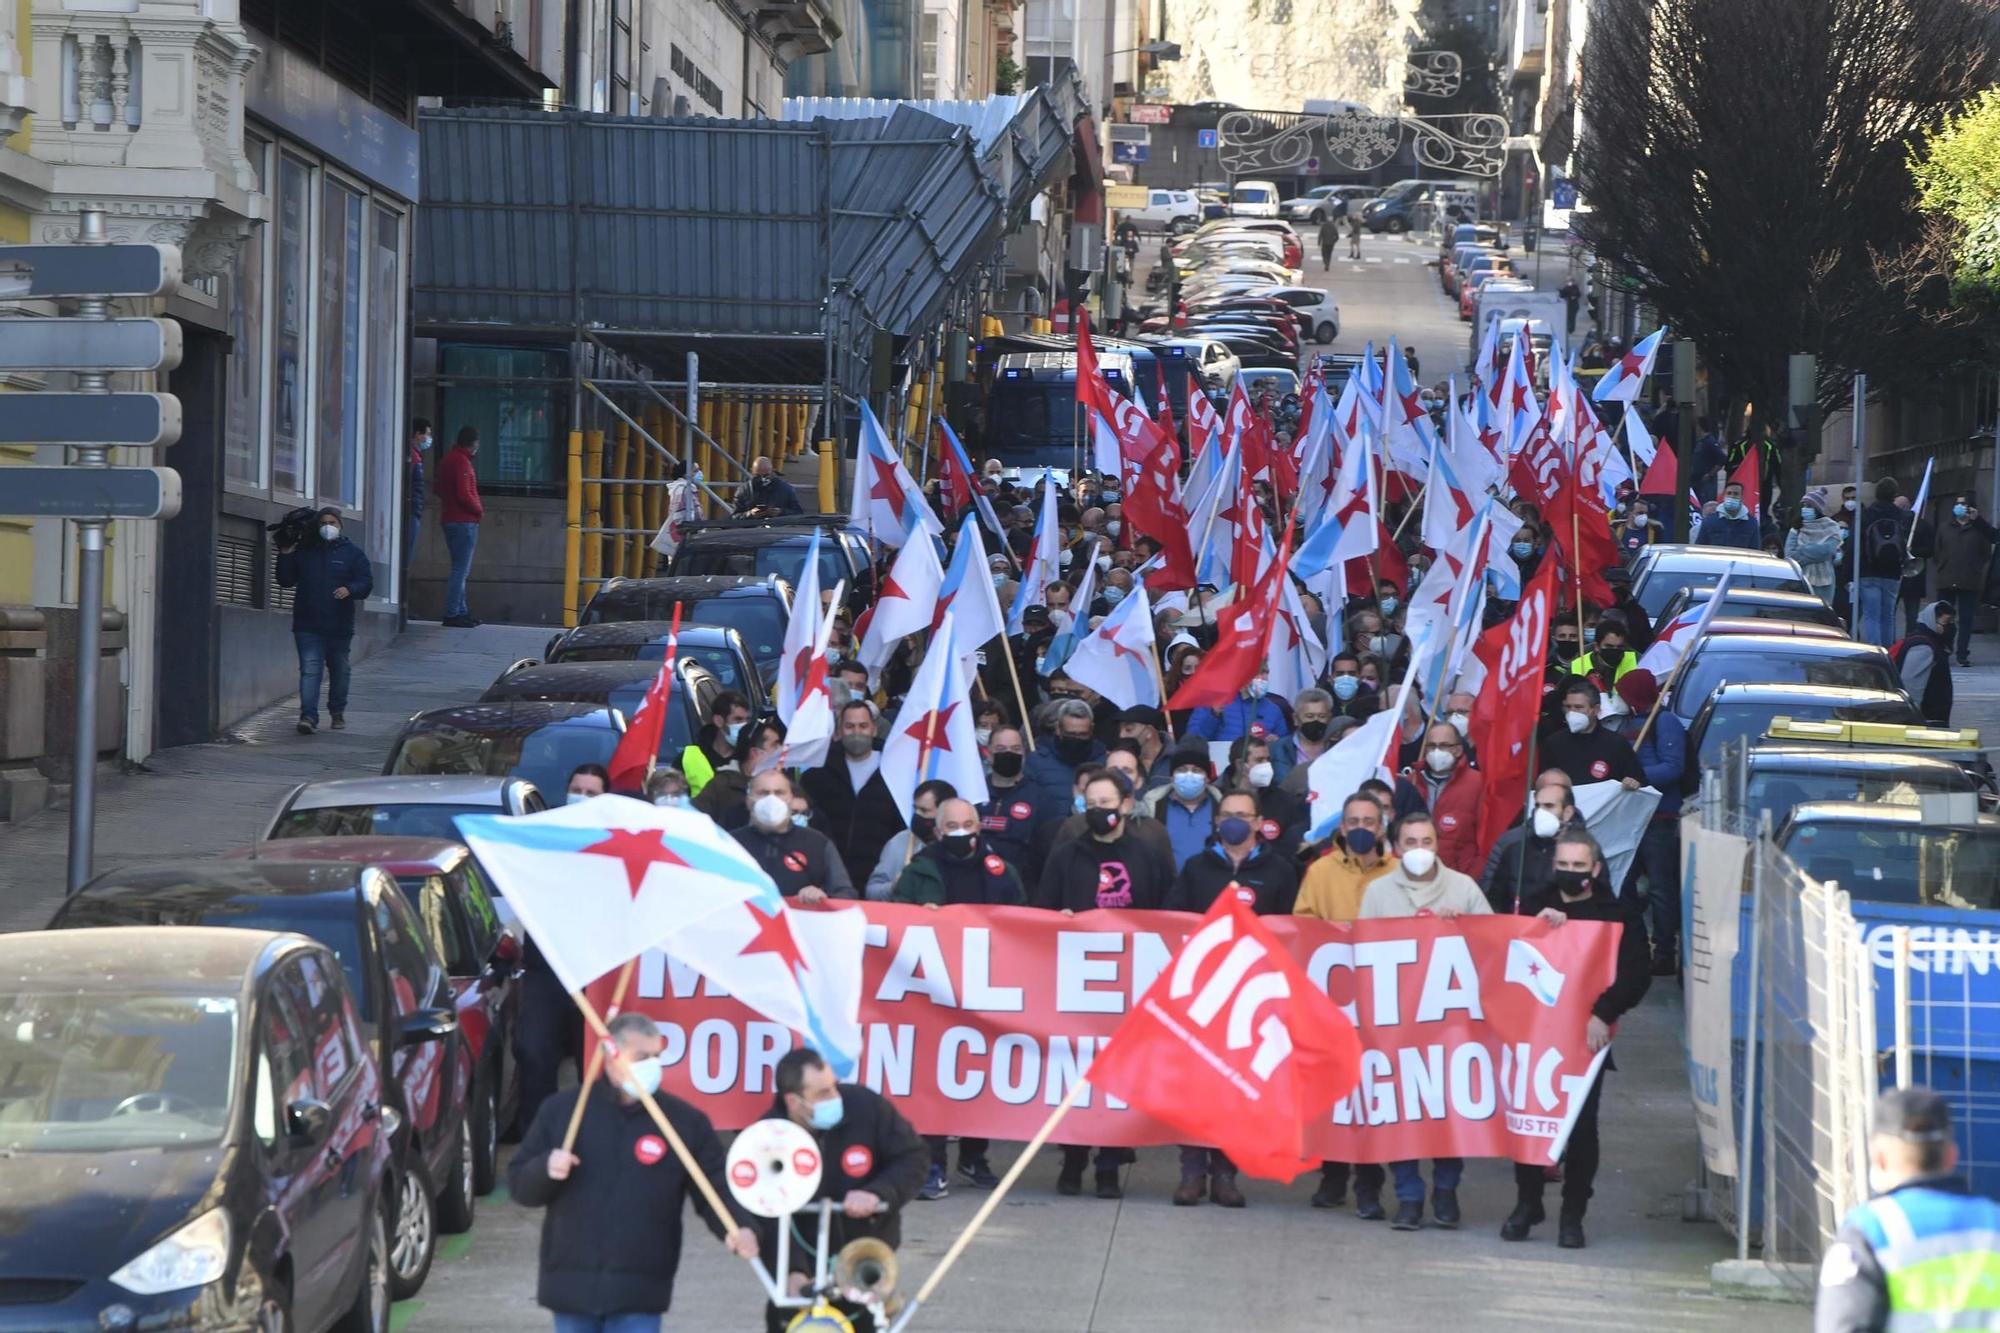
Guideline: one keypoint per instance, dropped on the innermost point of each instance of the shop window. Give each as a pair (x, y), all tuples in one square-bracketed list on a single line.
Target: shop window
[(243, 453), (385, 387), (511, 395), (288, 396), (340, 369)]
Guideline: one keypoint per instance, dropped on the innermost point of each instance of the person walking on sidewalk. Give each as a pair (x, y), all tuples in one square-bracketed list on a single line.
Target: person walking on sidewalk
[(461, 510), (1964, 548), (413, 487), (1329, 236), (1884, 534), (332, 576)]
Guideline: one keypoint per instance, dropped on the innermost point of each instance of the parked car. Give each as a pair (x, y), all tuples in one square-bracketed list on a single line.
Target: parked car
[(408, 1026), (1318, 311), (1658, 572), (1754, 604), (762, 547), (1477, 283), (1204, 359), (619, 685), (190, 1124), (1734, 711), (1779, 659), (540, 742), (1174, 211), (443, 883), (412, 807), (1322, 202), (1254, 199), (757, 608), (1395, 211), (1782, 777), (717, 647), (1891, 853)]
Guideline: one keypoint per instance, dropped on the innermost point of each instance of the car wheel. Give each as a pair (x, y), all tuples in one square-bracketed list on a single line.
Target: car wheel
[(1396, 227), (370, 1311), (486, 1141), (1326, 332), (414, 1242), (456, 1201), (1181, 226)]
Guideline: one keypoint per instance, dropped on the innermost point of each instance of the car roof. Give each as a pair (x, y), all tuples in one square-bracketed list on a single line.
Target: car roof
[(1720, 554), (1783, 757), (645, 631), (504, 715), (169, 958), (578, 678), (1784, 597), (749, 536), (687, 587), (1878, 812), (407, 790), (217, 877), (1763, 692), (1741, 626), (398, 856), (1763, 641)]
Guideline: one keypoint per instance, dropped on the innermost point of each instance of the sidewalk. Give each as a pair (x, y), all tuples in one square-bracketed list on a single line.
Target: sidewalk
[(196, 800)]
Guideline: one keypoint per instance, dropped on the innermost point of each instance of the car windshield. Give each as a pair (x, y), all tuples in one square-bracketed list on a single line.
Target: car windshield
[(1026, 419), (389, 821), (1253, 194), (1659, 584), (114, 1070), (1854, 670), (1781, 793), (545, 756), (760, 620), (1732, 722), (1911, 864)]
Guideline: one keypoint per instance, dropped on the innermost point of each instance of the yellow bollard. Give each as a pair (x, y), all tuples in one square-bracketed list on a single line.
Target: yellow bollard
[(801, 422), (621, 447), (593, 509), (704, 452), (829, 476), (572, 528)]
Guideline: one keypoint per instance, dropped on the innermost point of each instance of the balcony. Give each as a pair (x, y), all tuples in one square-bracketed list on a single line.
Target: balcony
[(795, 27)]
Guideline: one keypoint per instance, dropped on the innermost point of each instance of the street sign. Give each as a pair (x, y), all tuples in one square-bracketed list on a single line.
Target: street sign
[(140, 419), (88, 270), (90, 492), (1151, 113), (1563, 194), (1310, 166), (1205, 139), (89, 344), (1124, 151)]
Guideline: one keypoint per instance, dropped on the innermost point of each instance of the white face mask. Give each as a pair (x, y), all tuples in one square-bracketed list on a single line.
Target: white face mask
[(984, 735), (1439, 760), (1578, 723), (1420, 861), (771, 812), (1065, 558), (1103, 563), (578, 797), (1462, 721), (329, 532), (1114, 526), (1546, 823), (1260, 775)]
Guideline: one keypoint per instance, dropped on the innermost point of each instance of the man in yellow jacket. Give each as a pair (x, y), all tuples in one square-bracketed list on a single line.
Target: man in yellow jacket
[(1332, 891)]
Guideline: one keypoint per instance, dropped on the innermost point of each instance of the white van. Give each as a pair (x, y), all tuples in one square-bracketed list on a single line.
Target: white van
[(1254, 199)]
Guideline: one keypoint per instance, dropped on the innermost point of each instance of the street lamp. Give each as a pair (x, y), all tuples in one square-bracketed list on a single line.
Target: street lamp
[(1157, 50)]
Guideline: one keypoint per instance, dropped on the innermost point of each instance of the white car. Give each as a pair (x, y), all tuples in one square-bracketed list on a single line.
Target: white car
[(1254, 199), (1317, 306), (1173, 211)]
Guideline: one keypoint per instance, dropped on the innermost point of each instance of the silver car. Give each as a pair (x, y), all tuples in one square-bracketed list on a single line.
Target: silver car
[(403, 807)]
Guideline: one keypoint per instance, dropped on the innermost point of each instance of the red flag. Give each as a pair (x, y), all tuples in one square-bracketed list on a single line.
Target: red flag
[(1576, 517), (639, 747), (1388, 564), (1746, 476), (1235, 1045), (1164, 419), (1252, 429), (954, 486), (1540, 469), (1250, 530), (1515, 653), (1662, 477), (1242, 641), (1154, 508)]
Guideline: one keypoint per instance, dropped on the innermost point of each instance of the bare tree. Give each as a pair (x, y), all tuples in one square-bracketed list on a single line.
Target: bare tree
[(1747, 162)]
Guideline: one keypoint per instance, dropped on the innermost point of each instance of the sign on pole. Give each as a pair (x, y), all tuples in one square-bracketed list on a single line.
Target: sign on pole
[(34, 271), (137, 420), (91, 492), (90, 344), (1205, 139)]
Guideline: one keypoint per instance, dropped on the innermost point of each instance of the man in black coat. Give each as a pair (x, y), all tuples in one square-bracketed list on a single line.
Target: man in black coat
[(768, 495), (1513, 874), (1586, 750), (800, 861), (874, 1165), (332, 577), (611, 1236), (1580, 890), (854, 803)]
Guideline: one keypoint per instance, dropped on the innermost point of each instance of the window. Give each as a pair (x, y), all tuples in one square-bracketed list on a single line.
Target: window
[(284, 1052), (338, 438), (384, 434), (243, 451), (427, 894), (407, 954), (289, 384), (927, 56), (480, 913), (337, 1051), (510, 395)]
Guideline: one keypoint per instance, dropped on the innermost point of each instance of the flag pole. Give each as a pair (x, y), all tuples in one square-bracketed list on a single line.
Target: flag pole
[(1405, 522), (1673, 678), (1575, 537), (1021, 699), (596, 1064), (660, 1121), (1160, 680), (987, 1207)]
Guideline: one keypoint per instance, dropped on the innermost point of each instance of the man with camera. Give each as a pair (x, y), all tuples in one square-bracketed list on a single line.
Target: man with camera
[(332, 575)]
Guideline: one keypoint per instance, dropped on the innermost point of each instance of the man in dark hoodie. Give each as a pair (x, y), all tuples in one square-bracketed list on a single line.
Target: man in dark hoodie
[(611, 1235), (1923, 659), (332, 576), (874, 1165), (1580, 891)]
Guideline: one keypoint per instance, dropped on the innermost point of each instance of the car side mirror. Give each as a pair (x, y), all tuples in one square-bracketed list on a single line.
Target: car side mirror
[(307, 1121), (507, 949), (428, 1025), (547, 651)]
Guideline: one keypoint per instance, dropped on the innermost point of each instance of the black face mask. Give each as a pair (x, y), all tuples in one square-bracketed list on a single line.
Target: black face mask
[(1007, 763), (1314, 731), (1611, 656), (1566, 649), (1571, 883), (960, 845), (1099, 820), (925, 827), (761, 483), (1072, 749)]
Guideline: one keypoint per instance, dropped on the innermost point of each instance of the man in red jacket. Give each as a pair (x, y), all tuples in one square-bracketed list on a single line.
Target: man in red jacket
[(1446, 785), (461, 510)]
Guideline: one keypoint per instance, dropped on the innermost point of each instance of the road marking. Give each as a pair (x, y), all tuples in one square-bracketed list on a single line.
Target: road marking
[(1374, 259), (1403, 260)]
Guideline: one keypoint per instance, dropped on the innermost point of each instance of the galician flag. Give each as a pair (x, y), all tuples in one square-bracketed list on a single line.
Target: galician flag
[(1116, 658), (801, 633), (1527, 967), (1623, 381), (933, 735), (887, 502)]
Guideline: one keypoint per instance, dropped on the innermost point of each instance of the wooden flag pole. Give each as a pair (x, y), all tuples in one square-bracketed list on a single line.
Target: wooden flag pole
[(596, 1062), (987, 1208), (1014, 673), (1407, 513), (1160, 680), (1673, 678)]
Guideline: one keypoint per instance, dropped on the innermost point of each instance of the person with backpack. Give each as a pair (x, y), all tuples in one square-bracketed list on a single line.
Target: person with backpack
[(1883, 527), (1817, 543), (1964, 548), (1923, 660)]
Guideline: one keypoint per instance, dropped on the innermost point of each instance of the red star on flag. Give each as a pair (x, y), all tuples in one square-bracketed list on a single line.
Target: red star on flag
[(1629, 364), (891, 588), (1120, 649), (885, 487), (1412, 407), (639, 849), (939, 728), (774, 936)]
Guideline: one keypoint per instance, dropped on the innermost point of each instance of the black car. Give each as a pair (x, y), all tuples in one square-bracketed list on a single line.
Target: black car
[(765, 547), (759, 609), (540, 742), (408, 1025), (1779, 659), (1753, 604), (1782, 777), (190, 1136), (719, 648), (1733, 712), (619, 685)]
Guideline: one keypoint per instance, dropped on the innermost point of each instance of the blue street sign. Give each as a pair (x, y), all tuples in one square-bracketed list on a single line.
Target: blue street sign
[(1122, 151), (1563, 195), (1205, 139)]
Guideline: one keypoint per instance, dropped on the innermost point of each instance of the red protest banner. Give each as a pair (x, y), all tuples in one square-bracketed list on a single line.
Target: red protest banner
[(977, 1020)]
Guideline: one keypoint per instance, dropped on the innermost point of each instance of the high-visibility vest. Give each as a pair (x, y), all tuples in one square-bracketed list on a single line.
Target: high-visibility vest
[(695, 765), (1940, 1257), (1586, 664)]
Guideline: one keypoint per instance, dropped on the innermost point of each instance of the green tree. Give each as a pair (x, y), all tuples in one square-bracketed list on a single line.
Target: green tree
[(1957, 171)]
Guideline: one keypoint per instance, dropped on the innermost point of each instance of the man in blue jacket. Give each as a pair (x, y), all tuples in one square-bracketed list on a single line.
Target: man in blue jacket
[(1251, 709), (1663, 760), (332, 576)]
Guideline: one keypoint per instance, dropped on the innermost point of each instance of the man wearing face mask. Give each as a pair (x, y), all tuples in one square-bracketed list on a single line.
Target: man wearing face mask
[(1732, 523), (1312, 719), (1051, 769), (1186, 804), (1579, 891), (1352, 696), (1238, 854), (1964, 549), (956, 870), (768, 495), (854, 804), (586, 781), (900, 850), (1138, 824), (1638, 530), (800, 861), (1587, 751), (1251, 709), (874, 1164), (1252, 768), (1010, 815), (1147, 726), (715, 775), (1608, 659), (332, 577), (413, 486), (1519, 865), (1452, 791), (1662, 761), (611, 1229), (1421, 883)]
